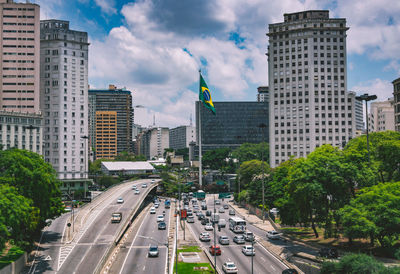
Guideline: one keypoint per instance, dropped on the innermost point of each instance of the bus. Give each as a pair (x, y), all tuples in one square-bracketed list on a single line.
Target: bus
[(237, 225), (200, 195)]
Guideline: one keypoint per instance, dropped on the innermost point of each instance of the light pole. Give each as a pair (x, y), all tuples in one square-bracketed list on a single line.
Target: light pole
[(252, 255), (365, 97), (215, 239), (86, 168), (262, 126)]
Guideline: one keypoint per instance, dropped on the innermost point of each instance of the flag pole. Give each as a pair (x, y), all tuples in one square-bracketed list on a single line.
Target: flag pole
[(200, 161)]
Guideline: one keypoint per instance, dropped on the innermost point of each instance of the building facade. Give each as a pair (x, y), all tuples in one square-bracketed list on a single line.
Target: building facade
[(396, 98), (381, 116), (153, 141), (309, 102), (21, 130), (64, 98), (235, 123), (20, 57), (180, 137), (106, 134), (359, 115), (263, 94), (119, 101)]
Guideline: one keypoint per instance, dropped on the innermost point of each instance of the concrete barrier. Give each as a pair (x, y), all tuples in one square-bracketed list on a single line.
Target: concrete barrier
[(16, 266)]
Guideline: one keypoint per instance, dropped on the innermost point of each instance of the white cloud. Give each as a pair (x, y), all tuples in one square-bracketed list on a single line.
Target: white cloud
[(381, 88), (107, 6)]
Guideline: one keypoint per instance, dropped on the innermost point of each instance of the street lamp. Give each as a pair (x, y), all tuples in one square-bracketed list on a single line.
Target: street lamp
[(365, 97), (262, 126)]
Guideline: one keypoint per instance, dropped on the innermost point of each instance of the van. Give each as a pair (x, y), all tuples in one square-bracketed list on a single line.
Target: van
[(248, 236), (221, 223), (214, 218)]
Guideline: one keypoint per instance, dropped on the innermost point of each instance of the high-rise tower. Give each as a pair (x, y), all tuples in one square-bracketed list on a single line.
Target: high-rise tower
[(309, 102)]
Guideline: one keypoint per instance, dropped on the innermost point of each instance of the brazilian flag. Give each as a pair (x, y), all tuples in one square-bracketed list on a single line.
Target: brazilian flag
[(205, 95)]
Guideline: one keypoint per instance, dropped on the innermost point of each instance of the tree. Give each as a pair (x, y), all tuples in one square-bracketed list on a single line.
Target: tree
[(216, 159), (249, 169), (248, 152), (33, 178), (184, 152), (107, 181)]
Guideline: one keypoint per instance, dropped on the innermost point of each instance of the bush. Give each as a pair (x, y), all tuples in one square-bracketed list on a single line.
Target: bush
[(13, 254)]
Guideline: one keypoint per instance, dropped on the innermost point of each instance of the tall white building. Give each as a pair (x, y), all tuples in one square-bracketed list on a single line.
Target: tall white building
[(309, 102), (64, 98), (180, 137), (359, 115), (159, 141), (381, 116)]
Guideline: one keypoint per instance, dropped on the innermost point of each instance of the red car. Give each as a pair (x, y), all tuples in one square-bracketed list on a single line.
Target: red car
[(215, 250)]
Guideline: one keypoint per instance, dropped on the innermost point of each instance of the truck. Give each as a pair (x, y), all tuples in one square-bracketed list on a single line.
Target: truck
[(214, 218), (167, 203), (116, 217)]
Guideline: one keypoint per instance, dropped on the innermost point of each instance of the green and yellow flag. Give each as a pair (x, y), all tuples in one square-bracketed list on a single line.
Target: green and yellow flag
[(205, 95)]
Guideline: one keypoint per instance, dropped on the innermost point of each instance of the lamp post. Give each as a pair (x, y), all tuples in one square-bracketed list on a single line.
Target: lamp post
[(365, 97), (215, 238), (262, 126), (252, 255), (86, 168)]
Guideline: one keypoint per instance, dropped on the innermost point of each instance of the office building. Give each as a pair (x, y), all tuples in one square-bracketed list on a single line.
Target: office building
[(106, 134), (153, 142), (118, 101), (396, 98), (309, 102), (180, 137), (235, 123), (21, 130), (64, 99), (263, 94), (20, 60), (359, 115), (381, 116)]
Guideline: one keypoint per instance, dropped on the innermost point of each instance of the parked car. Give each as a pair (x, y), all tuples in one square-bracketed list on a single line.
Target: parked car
[(327, 252), (248, 250), (239, 239), (226, 206), (205, 221), (152, 210), (273, 235), (204, 237), (231, 212), (153, 251), (162, 225), (190, 219), (208, 213), (120, 200), (248, 236), (229, 267), (208, 226), (215, 250), (224, 240), (160, 218)]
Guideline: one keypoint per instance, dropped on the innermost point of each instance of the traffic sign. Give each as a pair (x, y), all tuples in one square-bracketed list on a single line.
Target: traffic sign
[(224, 195)]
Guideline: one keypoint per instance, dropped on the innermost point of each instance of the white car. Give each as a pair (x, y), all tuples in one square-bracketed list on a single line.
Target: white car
[(229, 267), (153, 210), (134, 187), (120, 200), (156, 205), (204, 237), (221, 210), (160, 218), (208, 227), (144, 185), (153, 181), (248, 250), (137, 192), (273, 235)]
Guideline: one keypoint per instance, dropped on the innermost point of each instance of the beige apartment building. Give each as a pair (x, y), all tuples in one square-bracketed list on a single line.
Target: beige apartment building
[(20, 58), (381, 116)]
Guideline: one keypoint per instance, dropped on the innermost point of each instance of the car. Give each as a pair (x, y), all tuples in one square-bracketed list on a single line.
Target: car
[(290, 271), (215, 250), (248, 250), (273, 235), (160, 218), (189, 212), (120, 200), (162, 225), (203, 207), (137, 192), (196, 207), (221, 210), (327, 252), (144, 185), (134, 187), (208, 213), (208, 226), (153, 251), (197, 212), (224, 240), (156, 205), (67, 208), (226, 206), (204, 237), (201, 217), (231, 212), (153, 181), (190, 219), (239, 239), (152, 210), (222, 223), (229, 267), (205, 221), (248, 236), (217, 202)]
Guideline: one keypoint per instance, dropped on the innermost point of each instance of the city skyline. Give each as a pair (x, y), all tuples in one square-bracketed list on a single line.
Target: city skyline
[(158, 58)]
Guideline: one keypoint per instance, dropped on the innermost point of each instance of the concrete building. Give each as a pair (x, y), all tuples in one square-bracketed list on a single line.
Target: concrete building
[(359, 115), (106, 134), (21, 130), (64, 99), (396, 94), (153, 141), (309, 102), (127, 168), (381, 116), (263, 94), (180, 137), (119, 101), (20, 57)]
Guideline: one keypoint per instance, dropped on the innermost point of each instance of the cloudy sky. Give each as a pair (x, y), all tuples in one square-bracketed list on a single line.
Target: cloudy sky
[(155, 47)]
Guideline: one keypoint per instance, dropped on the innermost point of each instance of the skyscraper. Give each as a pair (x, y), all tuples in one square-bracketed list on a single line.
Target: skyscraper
[(309, 102), (181, 136), (396, 94), (20, 61), (263, 94), (64, 97)]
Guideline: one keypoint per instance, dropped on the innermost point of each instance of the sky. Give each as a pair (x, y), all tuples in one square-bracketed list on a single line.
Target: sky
[(155, 48)]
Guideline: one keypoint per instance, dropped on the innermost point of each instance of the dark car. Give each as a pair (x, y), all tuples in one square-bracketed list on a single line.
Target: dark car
[(201, 217), (205, 221), (327, 252), (162, 225), (208, 213)]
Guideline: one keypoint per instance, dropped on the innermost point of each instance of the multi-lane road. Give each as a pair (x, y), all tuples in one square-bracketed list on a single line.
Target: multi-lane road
[(263, 261)]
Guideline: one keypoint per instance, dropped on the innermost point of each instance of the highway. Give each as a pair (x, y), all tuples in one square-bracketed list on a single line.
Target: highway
[(263, 261), (133, 256), (91, 242)]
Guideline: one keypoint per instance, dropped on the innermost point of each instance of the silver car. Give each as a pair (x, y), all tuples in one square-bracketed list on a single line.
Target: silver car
[(224, 240), (153, 251), (239, 239), (248, 250)]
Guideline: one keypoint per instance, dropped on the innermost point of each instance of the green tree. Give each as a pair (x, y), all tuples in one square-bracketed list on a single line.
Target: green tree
[(34, 179), (184, 152), (216, 159), (249, 169), (107, 181), (248, 152)]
